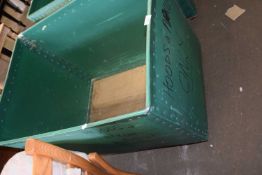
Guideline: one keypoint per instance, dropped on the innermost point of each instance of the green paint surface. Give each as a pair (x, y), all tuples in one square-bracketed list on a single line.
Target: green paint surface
[(47, 93), (41, 9)]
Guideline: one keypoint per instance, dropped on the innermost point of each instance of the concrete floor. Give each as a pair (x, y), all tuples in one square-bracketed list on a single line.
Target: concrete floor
[(232, 59)]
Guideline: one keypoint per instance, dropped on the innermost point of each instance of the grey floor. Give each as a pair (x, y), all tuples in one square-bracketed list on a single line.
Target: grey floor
[(232, 61)]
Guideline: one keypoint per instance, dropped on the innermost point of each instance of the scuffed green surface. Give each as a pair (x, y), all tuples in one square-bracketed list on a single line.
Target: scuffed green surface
[(49, 83), (176, 71), (41, 9), (188, 7)]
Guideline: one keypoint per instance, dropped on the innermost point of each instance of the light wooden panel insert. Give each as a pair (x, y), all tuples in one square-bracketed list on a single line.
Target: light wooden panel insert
[(118, 94)]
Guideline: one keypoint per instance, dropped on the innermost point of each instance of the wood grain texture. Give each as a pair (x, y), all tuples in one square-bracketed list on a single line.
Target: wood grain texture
[(3, 72), (119, 94), (12, 35), (44, 153), (12, 12), (21, 17), (19, 5), (5, 58), (3, 34), (41, 149), (9, 44), (12, 24)]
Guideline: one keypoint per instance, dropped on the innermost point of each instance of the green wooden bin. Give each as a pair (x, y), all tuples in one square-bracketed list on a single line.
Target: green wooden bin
[(188, 7), (60, 63), (40, 9), (43, 8)]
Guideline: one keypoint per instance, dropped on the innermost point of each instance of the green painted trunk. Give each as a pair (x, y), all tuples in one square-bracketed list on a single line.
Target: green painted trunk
[(188, 8), (48, 89), (43, 8)]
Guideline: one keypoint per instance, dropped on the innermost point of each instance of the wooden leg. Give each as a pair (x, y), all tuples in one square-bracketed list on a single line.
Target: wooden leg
[(42, 165)]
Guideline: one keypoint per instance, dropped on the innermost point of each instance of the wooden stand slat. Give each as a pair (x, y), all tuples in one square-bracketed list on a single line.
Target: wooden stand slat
[(12, 35), (15, 14), (19, 5), (13, 21), (9, 44), (12, 24), (3, 34), (5, 58), (3, 72)]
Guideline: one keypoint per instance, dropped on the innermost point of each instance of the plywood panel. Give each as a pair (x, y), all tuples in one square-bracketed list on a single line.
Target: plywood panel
[(3, 72), (18, 16), (119, 94), (9, 43), (5, 57), (18, 5), (12, 24), (3, 33), (12, 35)]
